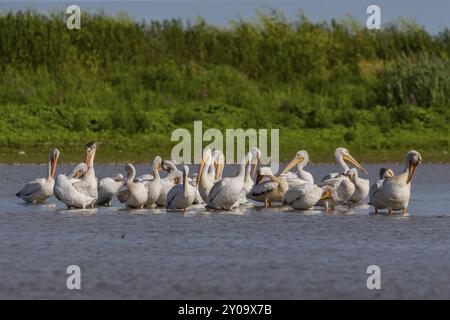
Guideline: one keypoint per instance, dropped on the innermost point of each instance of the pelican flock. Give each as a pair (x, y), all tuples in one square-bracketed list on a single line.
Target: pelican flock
[(251, 185)]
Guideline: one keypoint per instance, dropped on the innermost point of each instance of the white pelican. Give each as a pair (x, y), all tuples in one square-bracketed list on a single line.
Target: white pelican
[(339, 181), (134, 193), (174, 177), (108, 188), (374, 192), (362, 186), (66, 192), (39, 190), (154, 185), (226, 192), (182, 195), (88, 183), (268, 190), (395, 191), (307, 195), (300, 160), (205, 181)]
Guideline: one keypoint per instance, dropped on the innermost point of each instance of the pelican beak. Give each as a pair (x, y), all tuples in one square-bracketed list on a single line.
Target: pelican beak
[(348, 158), (412, 169), (54, 162), (326, 195), (292, 164), (219, 169), (87, 157), (200, 172), (253, 167)]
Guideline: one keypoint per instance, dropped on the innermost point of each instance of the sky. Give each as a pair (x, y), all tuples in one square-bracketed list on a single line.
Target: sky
[(434, 15)]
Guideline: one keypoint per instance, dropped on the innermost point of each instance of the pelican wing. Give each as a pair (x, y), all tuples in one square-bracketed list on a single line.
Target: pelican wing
[(83, 187), (331, 176), (294, 194), (123, 194), (217, 187), (172, 194), (144, 177), (333, 182), (30, 188), (263, 188), (375, 188)]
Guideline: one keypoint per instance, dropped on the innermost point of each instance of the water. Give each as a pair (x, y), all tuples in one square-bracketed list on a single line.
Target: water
[(274, 253)]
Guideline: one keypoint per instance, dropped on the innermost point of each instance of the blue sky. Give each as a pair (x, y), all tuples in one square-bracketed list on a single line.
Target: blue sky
[(434, 15)]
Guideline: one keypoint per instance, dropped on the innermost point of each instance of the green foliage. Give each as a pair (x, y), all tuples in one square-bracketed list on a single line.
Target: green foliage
[(129, 84)]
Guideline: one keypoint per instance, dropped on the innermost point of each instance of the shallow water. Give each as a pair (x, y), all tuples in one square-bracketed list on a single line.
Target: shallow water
[(274, 253)]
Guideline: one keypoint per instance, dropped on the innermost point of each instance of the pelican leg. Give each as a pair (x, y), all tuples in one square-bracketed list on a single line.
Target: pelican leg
[(266, 202), (376, 210), (405, 212), (390, 211)]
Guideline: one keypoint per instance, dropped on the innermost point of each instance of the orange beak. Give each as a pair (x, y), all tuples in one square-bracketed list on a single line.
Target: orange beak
[(200, 172), (54, 163), (349, 158), (412, 169)]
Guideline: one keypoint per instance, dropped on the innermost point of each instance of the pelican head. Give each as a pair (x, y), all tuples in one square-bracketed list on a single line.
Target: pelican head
[(342, 154), (79, 170), (301, 158), (53, 160), (413, 159), (157, 163), (386, 173), (255, 159), (89, 149), (118, 177), (168, 166), (131, 171), (206, 160), (219, 163), (352, 173), (327, 193)]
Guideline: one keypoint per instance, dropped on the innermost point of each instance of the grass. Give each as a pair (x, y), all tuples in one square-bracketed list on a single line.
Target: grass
[(128, 85)]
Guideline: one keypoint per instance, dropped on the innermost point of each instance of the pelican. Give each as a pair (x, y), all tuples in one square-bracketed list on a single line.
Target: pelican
[(225, 193), (307, 195), (362, 186), (340, 181), (268, 190), (374, 192), (154, 185), (182, 195), (300, 160), (39, 190), (174, 176), (87, 185), (134, 193), (395, 191), (108, 188), (66, 191), (205, 181)]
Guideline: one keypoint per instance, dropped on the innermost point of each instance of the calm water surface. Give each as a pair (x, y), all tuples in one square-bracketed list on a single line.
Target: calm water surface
[(274, 253)]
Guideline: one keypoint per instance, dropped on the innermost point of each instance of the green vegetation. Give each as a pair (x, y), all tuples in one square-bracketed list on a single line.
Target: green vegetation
[(127, 85)]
